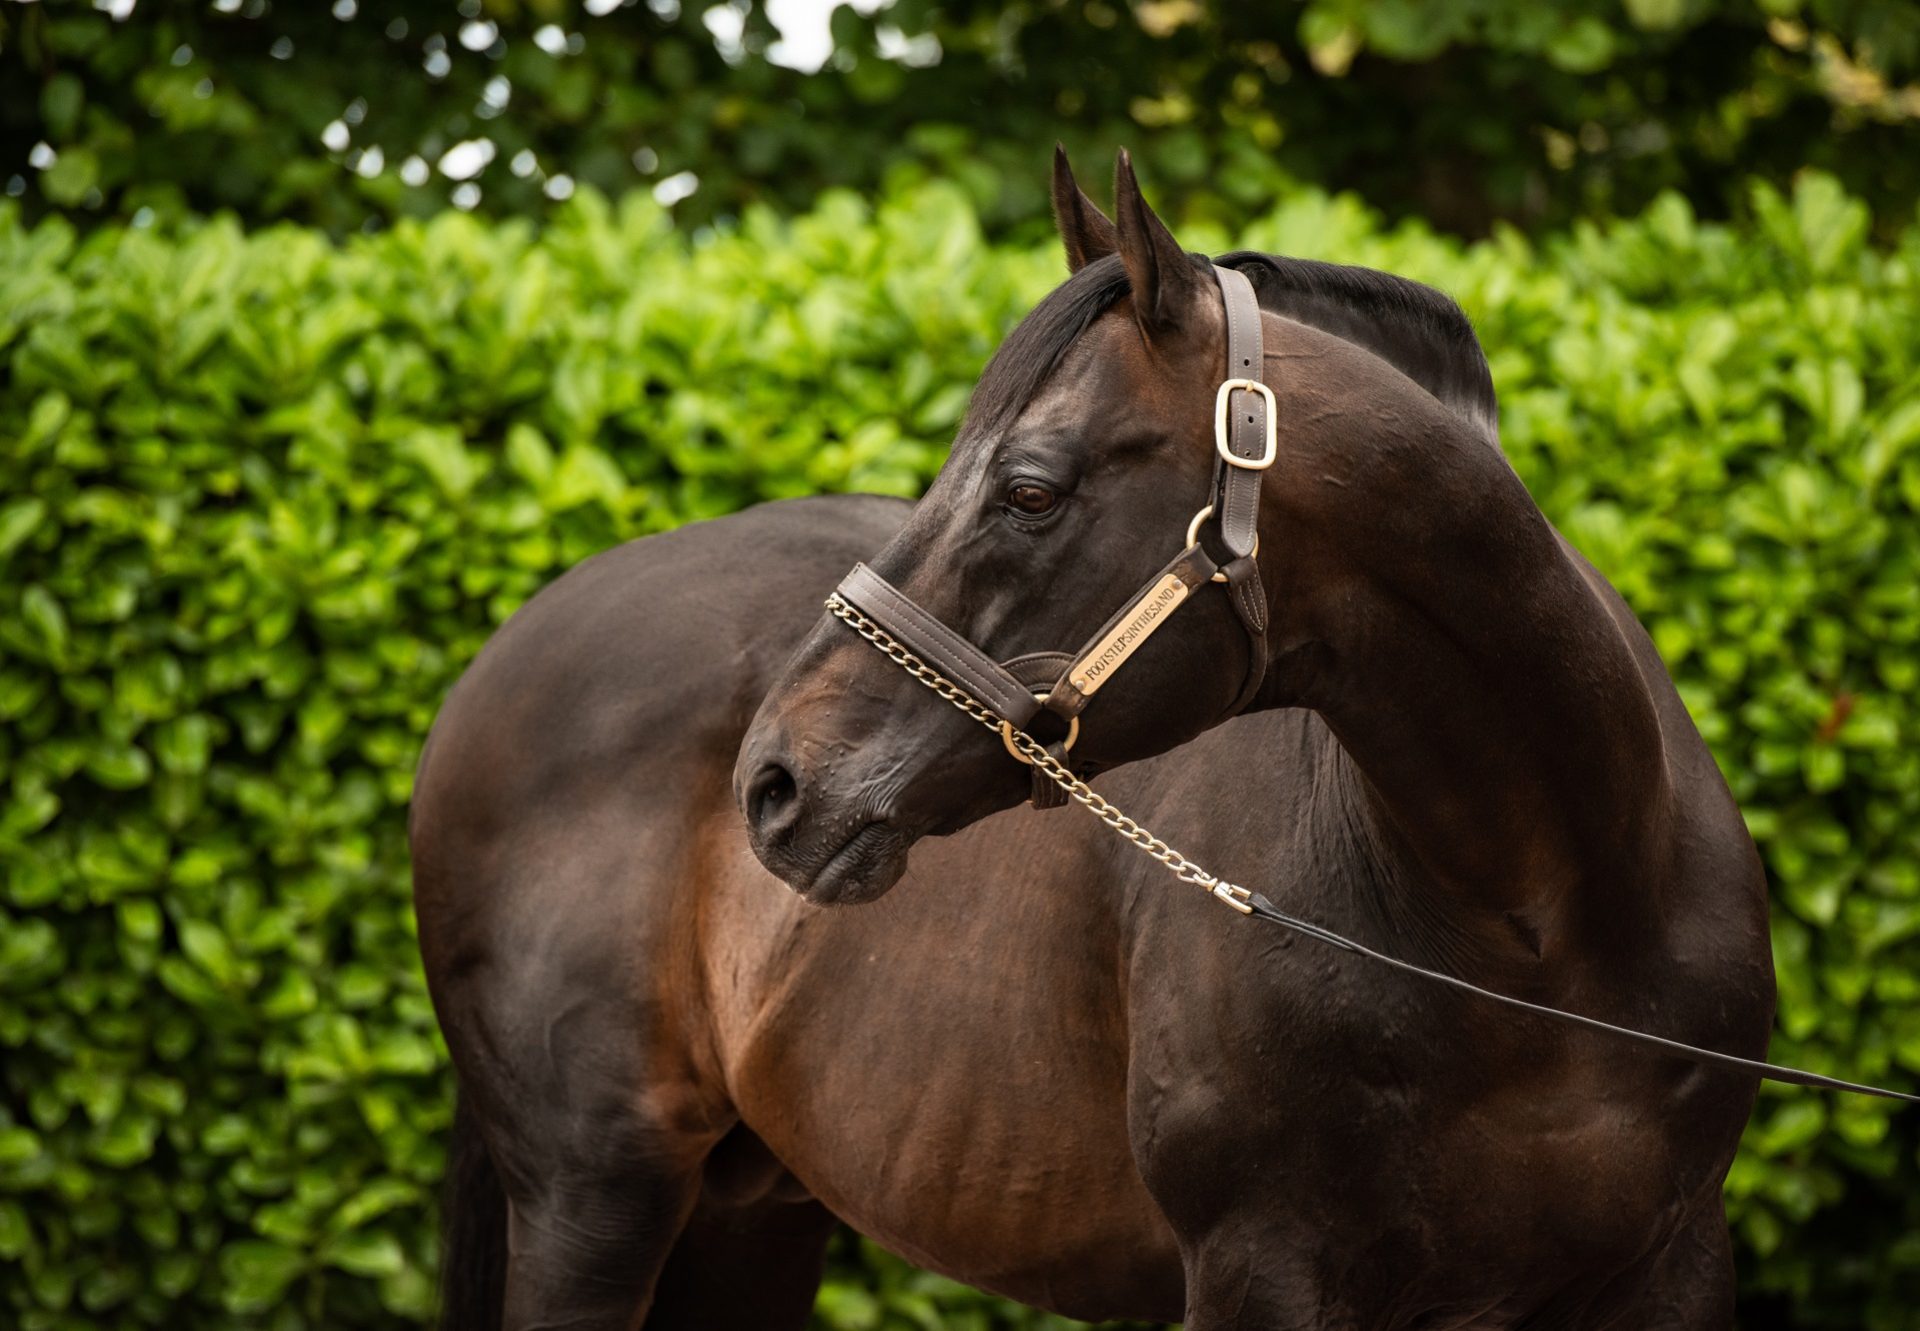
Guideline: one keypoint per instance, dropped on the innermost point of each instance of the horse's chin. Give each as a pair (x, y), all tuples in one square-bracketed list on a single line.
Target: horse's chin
[(863, 869)]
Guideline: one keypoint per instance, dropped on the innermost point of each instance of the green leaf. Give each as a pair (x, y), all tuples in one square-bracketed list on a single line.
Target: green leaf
[(1581, 46), (60, 102), (446, 459), (255, 1274), (364, 1253), (73, 174), (44, 616), (19, 520), (184, 745), (1656, 15), (209, 949), (119, 766), (16, 1234), (17, 1146)]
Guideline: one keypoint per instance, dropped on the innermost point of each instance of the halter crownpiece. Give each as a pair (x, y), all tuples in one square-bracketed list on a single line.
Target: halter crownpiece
[(1246, 442)]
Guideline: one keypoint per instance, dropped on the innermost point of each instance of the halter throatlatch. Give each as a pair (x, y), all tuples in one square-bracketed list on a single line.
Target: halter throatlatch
[(1246, 442), (1006, 696)]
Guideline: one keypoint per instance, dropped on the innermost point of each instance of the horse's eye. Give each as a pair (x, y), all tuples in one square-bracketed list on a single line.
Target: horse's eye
[(1033, 500)]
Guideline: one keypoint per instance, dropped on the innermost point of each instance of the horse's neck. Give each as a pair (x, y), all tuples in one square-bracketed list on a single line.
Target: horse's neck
[(1483, 680)]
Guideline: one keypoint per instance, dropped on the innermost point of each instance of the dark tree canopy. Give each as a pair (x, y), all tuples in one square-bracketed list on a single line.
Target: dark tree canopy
[(1462, 111)]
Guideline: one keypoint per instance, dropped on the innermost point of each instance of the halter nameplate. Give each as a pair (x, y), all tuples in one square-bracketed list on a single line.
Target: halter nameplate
[(1097, 664)]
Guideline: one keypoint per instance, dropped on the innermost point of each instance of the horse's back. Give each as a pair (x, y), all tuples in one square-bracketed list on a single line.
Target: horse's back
[(661, 646)]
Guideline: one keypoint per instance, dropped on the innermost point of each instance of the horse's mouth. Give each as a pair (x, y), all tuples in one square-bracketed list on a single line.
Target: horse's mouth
[(861, 870)]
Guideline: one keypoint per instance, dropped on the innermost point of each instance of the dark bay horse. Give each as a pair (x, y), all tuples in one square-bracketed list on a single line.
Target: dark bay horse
[(1033, 1061)]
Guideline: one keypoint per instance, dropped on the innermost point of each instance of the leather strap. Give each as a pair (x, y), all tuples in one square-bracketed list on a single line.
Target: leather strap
[(1238, 506), (939, 646), (1237, 489), (1250, 602)]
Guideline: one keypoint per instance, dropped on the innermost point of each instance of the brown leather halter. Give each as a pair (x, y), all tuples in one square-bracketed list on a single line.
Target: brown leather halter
[(1246, 442)]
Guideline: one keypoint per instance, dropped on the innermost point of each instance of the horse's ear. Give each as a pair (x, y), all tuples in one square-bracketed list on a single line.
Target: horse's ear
[(1088, 234), (1166, 285)]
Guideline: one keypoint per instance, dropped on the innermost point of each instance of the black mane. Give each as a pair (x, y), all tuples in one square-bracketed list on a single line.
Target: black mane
[(1419, 331)]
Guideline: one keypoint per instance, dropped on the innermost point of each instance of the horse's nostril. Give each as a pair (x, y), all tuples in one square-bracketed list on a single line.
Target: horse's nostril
[(771, 797)]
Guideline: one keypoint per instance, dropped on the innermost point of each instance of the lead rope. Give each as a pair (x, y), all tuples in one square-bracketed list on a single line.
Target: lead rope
[(1251, 903)]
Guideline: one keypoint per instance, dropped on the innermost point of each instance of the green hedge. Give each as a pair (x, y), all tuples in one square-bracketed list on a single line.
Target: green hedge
[(261, 496)]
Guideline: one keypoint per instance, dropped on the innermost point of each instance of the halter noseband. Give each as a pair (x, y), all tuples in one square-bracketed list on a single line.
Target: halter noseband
[(1245, 433)]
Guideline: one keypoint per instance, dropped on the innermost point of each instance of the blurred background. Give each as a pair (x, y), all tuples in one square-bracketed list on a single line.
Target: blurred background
[(330, 332)]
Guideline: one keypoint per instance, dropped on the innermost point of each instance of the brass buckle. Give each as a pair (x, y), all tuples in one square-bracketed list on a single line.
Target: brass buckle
[(1006, 734), (1193, 537), (1222, 435)]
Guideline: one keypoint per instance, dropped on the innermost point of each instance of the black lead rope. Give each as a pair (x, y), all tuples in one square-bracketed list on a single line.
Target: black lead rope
[(1263, 909)]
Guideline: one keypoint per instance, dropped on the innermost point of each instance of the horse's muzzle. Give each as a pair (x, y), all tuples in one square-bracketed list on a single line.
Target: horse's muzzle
[(829, 855)]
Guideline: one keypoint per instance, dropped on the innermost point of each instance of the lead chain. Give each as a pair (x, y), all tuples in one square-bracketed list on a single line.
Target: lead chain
[(1177, 864)]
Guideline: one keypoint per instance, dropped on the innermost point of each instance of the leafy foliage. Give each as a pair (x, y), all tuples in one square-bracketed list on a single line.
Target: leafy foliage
[(1459, 111), (262, 495)]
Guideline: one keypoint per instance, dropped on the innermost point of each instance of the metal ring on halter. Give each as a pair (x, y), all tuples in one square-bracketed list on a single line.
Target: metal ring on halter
[(1193, 537), (1006, 734)]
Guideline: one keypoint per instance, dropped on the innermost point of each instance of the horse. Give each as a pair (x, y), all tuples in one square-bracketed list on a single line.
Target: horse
[(994, 1038)]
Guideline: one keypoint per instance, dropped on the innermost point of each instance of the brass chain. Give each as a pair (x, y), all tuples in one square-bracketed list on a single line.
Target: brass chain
[(1177, 864)]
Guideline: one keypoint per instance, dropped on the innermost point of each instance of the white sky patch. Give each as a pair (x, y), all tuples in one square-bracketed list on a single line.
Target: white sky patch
[(551, 39), (728, 25), (920, 51), (676, 187), (806, 33), (336, 136), (414, 171), (478, 36), (466, 159)]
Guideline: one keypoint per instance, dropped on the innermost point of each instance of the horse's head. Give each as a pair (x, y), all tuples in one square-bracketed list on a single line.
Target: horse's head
[(1087, 452)]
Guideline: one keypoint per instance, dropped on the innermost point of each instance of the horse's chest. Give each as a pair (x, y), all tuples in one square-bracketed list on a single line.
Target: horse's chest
[(1300, 1092)]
